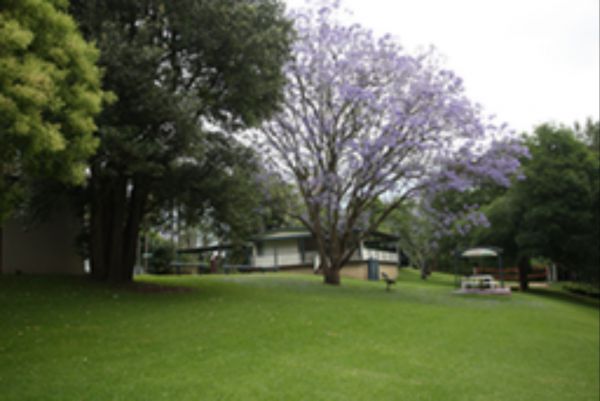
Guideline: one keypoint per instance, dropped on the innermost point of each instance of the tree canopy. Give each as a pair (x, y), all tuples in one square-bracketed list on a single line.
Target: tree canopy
[(226, 192), (361, 119), (555, 211), (181, 70), (49, 95)]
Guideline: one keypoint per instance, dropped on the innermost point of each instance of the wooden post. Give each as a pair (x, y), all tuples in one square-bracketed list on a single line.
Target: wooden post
[(501, 270), (456, 262)]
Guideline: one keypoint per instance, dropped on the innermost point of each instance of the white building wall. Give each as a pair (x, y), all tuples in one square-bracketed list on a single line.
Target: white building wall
[(45, 248), (364, 253), (278, 253), (382, 256), (286, 252)]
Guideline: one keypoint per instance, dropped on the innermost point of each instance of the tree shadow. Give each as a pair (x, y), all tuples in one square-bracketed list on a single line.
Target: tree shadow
[(437, 279), (566, 297)]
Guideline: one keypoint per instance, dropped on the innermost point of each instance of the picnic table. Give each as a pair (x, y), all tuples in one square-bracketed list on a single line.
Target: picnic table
[(479, 281)]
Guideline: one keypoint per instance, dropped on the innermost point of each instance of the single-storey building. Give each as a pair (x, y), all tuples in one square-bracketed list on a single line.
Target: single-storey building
[(295, 250), (41, 248)]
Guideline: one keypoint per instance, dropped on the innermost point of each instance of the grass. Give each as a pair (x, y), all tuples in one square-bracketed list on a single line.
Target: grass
[(281, 337)]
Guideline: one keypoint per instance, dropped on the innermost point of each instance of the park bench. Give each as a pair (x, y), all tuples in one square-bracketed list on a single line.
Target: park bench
[(388, 281)]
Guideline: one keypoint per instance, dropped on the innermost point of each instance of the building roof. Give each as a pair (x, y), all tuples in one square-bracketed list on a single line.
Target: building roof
[(205, 249), (481, 252), (299, 232), (283, 234)]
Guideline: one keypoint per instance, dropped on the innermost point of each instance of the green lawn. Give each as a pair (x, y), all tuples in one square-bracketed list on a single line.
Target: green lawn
[(281, 337)]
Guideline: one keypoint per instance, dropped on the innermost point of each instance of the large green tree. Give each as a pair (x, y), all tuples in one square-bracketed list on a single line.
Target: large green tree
[(178, 69), (555, 211), (225, 193), (49, 95)]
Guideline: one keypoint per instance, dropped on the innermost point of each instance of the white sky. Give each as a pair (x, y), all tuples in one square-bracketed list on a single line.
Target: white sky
[(526, 61)]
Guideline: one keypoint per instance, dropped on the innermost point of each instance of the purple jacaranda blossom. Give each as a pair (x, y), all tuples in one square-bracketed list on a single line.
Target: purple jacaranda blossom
[(361, 118)]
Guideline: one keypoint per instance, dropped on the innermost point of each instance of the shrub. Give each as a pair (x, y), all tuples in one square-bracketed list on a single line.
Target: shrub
[(162, 256)]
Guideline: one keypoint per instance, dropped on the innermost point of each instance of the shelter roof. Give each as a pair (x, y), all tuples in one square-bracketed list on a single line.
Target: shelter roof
[(481, 252)]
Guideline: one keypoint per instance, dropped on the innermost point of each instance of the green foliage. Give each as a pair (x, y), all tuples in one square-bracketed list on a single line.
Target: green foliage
[(171, 77), (223, 192), (554, 211), (163, 253), (187, 73), (589, 134), (504, 215), (415, 230), (251, 337), (49, 95)]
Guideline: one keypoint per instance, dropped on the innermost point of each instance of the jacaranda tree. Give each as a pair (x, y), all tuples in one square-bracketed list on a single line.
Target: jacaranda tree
[(363, 118)]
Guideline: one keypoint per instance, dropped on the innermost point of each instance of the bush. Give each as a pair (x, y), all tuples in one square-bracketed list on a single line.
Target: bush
[(160, 261), (587, 290)]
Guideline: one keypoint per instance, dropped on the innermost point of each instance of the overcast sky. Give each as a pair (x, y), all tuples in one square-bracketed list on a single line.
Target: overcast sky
[(526, 61)]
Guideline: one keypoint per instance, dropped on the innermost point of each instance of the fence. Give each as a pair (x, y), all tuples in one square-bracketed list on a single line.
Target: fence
[(537, 273)]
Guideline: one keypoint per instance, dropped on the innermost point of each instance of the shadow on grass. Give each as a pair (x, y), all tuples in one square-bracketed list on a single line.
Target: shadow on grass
[(435, 279), (565, 297), (67, 285)]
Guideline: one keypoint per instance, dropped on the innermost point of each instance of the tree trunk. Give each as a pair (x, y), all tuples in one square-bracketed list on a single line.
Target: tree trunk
[(132, 229), (98, 228), (116, 242), (524, 265), (97, 260), (1, 247), (424, 271), (116, 219), (331, 266), (331, 276)]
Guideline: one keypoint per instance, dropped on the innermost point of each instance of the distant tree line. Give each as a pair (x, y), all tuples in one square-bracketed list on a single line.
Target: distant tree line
[(551, 213)]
